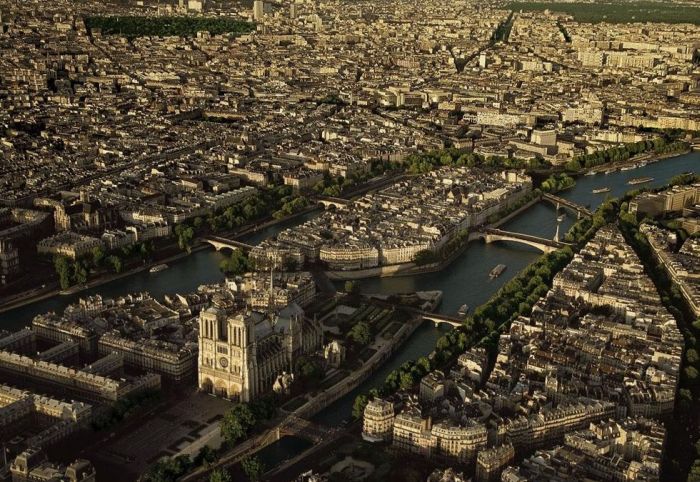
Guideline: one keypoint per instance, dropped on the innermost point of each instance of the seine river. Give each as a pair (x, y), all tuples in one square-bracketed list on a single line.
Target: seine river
[(466, 280)]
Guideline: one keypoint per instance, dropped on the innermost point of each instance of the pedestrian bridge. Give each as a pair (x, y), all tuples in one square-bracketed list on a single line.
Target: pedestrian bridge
[(491, 235), (220, 243)]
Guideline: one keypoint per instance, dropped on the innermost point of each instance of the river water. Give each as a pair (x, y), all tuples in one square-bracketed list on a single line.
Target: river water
[(466, 280), (183, 276)]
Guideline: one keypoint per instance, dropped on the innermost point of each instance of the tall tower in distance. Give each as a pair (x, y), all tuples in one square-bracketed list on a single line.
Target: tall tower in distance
[(258, 9)]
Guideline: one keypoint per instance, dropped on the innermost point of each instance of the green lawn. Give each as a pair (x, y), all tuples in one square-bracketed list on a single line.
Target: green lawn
[(135, 26), (617, 11)]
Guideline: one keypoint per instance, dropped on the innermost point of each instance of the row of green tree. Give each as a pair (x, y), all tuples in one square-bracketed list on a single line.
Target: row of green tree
[(169, 469), (182, 26), (278, 199), (502, 32), (261, 204), (334, 186), (422, 162), (664, 144), (76, 272), (291, 206), (172, 469)]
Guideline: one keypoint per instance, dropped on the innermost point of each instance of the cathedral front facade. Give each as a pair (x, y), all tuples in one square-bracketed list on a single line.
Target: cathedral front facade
[(242, 352)]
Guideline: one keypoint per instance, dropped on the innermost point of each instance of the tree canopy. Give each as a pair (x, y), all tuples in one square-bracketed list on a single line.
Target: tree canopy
[(182, 26)]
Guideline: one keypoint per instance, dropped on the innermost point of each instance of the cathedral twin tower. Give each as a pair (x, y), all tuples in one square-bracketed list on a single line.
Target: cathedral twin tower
[(242, 352)]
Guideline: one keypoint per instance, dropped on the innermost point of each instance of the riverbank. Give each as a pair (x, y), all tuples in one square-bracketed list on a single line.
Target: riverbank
[(404, 269), (411, 269), (349, 383), (35, 296), (648, 158), (312, 406), (146, 266), (99, 281)]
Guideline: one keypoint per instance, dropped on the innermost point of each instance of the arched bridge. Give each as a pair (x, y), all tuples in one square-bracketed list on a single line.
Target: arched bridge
[(327, 201), (438, 319), (220, 243), (560, 201), (490, 235)]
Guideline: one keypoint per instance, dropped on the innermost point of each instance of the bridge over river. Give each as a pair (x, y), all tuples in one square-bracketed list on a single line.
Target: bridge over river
[(572, 206), (220, 243), (488, 234), (492, 235), (437, 318), (291, 425)]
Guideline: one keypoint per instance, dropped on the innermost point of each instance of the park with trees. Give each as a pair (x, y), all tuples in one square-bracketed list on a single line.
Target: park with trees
[(132, 26), (556, 183), (236, 264), (616, 11), (72, 272)]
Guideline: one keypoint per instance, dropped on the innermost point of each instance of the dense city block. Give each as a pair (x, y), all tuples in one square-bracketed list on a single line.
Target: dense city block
[(343, 240)]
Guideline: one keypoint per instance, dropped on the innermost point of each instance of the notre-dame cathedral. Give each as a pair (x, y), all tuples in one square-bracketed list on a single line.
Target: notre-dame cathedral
[(243, 351)]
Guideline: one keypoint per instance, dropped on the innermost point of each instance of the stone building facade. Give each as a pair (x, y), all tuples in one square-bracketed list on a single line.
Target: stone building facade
[(241, 352)]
